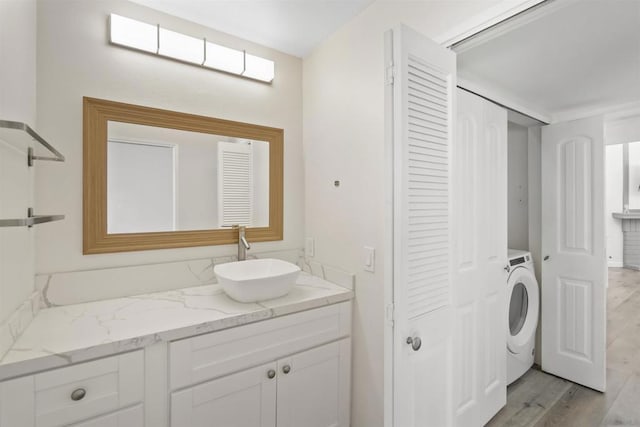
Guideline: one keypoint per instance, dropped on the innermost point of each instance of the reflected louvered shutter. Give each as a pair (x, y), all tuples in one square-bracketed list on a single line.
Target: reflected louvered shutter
[(427, 188), (235, 184)]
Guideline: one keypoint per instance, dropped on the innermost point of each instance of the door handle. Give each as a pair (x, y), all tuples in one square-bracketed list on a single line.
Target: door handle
[(415, 343), (546, 257)]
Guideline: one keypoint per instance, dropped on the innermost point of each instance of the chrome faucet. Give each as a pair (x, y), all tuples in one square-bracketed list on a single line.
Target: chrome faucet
[(243, 245)]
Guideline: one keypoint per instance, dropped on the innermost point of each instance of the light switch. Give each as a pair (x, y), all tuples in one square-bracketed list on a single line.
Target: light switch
[(310, 249), (369, 259)]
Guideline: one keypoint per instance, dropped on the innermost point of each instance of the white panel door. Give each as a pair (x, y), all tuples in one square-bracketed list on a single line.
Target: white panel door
[(313, 387), (141, 190), (574, 267), (244, 399), (423, 90), (479, 259)]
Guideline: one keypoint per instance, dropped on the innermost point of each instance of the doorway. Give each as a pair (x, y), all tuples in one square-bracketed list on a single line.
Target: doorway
[(553, 67)]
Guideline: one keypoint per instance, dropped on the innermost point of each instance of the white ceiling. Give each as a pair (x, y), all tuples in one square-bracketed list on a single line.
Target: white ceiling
[(583, 55), (291, 26)]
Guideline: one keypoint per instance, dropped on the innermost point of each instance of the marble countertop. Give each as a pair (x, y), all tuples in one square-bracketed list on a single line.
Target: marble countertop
[(63, 335), (628, 215)]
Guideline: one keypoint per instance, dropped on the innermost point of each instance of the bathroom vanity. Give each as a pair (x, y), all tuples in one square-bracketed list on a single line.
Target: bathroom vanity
[(183, 358)]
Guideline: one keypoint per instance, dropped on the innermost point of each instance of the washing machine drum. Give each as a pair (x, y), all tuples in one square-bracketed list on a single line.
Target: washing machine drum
[(524, 300)]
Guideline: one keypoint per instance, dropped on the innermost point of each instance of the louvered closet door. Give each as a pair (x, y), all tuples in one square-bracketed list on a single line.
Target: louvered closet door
[(423, 113), (235, 184)]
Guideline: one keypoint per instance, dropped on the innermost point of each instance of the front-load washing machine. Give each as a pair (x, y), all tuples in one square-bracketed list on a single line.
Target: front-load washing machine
[(523, 296)]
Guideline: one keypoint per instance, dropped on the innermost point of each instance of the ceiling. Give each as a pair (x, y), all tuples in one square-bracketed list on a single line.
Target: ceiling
[(291, 26), (574, 56)]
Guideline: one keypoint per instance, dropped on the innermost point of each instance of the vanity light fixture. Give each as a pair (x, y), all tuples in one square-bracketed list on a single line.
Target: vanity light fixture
[(134, 34), (224, 58), (160, 41), (181, 47), (258, 68)]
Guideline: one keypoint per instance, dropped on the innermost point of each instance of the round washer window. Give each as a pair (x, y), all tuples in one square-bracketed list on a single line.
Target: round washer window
[(518, 308)]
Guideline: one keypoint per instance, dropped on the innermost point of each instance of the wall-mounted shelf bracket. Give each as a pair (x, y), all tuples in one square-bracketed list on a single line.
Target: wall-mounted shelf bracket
[(21, 133), (30, 220), (31, 157)]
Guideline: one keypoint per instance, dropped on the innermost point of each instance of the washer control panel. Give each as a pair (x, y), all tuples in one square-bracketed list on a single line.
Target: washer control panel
[(517, 257), (520, 260)]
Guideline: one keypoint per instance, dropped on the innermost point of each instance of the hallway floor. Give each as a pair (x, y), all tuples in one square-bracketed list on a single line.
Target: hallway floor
[(538, 399)]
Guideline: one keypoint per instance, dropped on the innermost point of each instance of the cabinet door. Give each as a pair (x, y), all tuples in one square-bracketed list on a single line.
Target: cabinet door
[(130, 417), (244, 399), (314, 387)]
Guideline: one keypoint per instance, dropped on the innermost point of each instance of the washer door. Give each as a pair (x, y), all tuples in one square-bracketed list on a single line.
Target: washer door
[(524, 301)]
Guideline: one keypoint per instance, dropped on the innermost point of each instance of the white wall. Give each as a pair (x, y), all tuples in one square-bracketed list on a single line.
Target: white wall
[(344, 115), (17, 102), (518, 187), (626, 129), (197, 192), (76, 60), (18, 59), (614, 188)]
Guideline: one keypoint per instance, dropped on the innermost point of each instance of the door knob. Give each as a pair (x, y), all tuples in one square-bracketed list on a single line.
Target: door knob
[(415, 343)]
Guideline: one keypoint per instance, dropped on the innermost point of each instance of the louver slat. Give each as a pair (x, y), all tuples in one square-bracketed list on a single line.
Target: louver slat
[(427, 180), (235, 184)]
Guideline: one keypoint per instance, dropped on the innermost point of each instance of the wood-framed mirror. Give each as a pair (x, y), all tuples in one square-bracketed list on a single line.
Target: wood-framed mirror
[(158, 179)]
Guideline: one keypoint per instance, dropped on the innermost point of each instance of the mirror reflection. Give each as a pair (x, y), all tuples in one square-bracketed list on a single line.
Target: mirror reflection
[(161, 179)]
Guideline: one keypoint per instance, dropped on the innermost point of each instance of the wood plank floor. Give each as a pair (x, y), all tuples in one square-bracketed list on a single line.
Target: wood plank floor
[(542, 400)]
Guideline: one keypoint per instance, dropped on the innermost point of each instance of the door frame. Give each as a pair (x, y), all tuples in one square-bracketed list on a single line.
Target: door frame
[(479, 23)]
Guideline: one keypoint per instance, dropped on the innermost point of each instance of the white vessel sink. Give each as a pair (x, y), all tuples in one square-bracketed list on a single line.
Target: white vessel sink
[(256, 279)]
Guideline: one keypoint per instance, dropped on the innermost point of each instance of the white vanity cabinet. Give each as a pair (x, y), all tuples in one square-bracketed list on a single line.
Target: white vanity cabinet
[(103, 393), (308, 389), (287, 372), (292, 370)]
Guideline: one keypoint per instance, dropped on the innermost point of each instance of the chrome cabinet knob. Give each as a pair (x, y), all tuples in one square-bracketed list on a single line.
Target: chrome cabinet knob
[(271, 374), (286, 369), (415, 343), (78, 394)]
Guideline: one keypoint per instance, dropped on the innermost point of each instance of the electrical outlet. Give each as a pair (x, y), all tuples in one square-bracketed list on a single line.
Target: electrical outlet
[(310, 248)]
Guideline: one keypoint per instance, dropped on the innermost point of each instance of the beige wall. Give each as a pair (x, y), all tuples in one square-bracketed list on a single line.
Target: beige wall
[(17, 102), (76, 60), (343, 97)]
